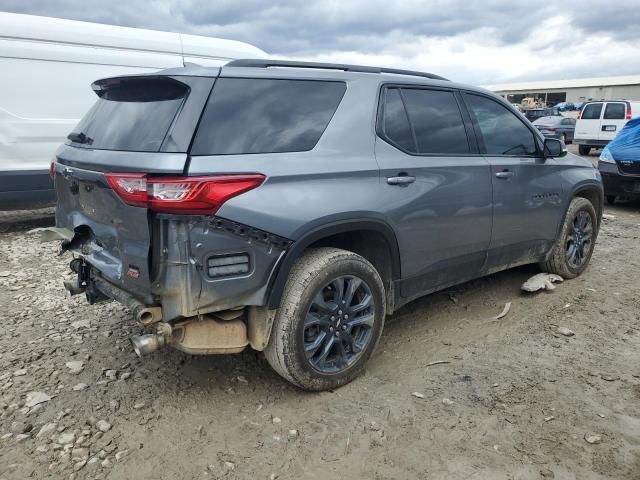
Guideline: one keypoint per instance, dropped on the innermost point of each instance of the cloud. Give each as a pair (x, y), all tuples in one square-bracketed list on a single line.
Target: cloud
[(478, 42)]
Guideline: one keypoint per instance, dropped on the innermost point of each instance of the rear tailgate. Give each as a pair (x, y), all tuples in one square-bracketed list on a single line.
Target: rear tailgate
[(139, 124), (112, 236)]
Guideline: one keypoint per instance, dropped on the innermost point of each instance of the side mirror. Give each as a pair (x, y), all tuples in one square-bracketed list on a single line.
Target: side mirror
[(554, 148)]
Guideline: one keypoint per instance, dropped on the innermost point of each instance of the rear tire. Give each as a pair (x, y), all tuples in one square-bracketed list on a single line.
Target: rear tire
[(611, 199), (320, 339), (573, 248), (584, 149)]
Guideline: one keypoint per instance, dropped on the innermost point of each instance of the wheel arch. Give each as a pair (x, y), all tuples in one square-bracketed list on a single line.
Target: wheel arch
[(593, 192), (350, 235)]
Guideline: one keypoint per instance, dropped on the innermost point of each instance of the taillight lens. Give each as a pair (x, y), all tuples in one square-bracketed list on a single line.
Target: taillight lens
[(183, 195), (52, 169), (628, 112)]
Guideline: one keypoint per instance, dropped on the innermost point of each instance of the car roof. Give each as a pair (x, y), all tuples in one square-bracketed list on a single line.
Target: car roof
[(262, 68), (555, 118)]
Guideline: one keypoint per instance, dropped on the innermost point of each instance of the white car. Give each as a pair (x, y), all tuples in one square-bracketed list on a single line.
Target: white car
[(48, 66), (600, 121)]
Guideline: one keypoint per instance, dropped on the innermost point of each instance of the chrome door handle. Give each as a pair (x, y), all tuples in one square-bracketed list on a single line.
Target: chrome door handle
[(402, 180), (504, 175)]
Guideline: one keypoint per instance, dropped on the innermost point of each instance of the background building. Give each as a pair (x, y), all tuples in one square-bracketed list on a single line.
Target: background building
[(579, 90)]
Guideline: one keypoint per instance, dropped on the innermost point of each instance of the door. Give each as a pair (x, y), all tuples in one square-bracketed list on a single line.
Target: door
[(436, 186), (588, 125), (613, 119), (526, 187)]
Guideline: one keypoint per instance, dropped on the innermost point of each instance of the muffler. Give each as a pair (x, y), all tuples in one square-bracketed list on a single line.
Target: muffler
[(197, 336)]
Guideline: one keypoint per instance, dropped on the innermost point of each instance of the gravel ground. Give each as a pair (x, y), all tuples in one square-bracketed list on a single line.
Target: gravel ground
[(518, 398)]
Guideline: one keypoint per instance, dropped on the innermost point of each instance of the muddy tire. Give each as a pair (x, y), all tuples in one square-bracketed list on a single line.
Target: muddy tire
[(330, 320), (573, 248)]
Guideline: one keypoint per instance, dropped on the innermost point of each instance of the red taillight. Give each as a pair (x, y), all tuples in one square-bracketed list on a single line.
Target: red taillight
[(628, 112), (183, 195)]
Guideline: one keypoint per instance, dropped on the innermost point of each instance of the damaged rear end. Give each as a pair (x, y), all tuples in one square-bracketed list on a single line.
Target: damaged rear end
[(145, 233)]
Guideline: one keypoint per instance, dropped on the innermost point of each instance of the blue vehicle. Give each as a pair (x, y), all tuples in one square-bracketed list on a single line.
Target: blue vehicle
[(620, 163)]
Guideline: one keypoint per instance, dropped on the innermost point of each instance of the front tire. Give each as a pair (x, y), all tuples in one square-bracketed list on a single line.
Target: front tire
[(573, 248), (584, 149), (329, 321)]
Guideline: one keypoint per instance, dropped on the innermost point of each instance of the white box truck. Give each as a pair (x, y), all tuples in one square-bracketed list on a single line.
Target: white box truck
[(47, 66)]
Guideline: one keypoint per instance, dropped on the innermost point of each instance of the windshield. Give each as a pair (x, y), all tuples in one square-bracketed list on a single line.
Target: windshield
[(132, 114)]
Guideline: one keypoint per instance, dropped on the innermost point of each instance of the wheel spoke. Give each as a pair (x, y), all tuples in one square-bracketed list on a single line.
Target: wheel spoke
[(322, 306), (364, 303), (354, 284), (342, 359), (326, 350), (362, 320), (313, 319), (312, 348), (338, 285), (349, 340)]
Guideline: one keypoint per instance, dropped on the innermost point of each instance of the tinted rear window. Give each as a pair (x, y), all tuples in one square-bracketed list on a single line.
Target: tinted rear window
[(436, 120), (246, 115), (615, 111), (132, 114), (396, 123), (591, 111)]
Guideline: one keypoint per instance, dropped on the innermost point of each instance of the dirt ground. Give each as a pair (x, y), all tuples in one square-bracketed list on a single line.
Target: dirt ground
[(516, 399)]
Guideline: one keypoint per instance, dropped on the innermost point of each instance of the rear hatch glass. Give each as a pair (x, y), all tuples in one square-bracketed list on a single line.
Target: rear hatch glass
[(131, 114)]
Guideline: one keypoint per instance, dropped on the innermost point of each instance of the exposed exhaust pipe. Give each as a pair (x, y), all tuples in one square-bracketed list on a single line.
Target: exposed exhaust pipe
[(145, 344)]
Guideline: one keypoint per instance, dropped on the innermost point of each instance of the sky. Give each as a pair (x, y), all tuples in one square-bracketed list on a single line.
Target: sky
[(479, 42)]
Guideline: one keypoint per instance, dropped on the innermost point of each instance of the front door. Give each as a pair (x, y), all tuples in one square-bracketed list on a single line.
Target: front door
[(436, 185), (527, 188)]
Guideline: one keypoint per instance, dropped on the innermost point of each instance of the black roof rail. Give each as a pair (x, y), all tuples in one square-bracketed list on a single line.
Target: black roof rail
[(266, 63)]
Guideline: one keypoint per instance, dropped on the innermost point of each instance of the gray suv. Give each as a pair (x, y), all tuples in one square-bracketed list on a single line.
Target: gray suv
[(291, 206)]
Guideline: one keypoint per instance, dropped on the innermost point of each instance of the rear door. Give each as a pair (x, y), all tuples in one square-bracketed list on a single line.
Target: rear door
[(589, 124), (526, 187), (141, 125), (614, 118), (437, 185)]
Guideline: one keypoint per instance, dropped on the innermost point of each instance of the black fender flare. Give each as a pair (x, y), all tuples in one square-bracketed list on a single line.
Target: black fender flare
[(594, 186), (326, 230)]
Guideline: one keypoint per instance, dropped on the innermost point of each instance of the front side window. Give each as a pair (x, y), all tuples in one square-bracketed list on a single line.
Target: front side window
[(615, 111), (252, 115), (591, 111), (502, 132)]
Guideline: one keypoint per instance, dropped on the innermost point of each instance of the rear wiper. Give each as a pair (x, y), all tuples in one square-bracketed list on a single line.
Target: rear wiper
[(80, 138)]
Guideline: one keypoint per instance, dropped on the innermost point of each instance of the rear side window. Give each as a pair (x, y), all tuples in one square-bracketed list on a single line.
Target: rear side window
[(395, 123), (502, 132), (131, 114), (436, 120), (615, 111), (430, 124), (591, 111), (245, 115)]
